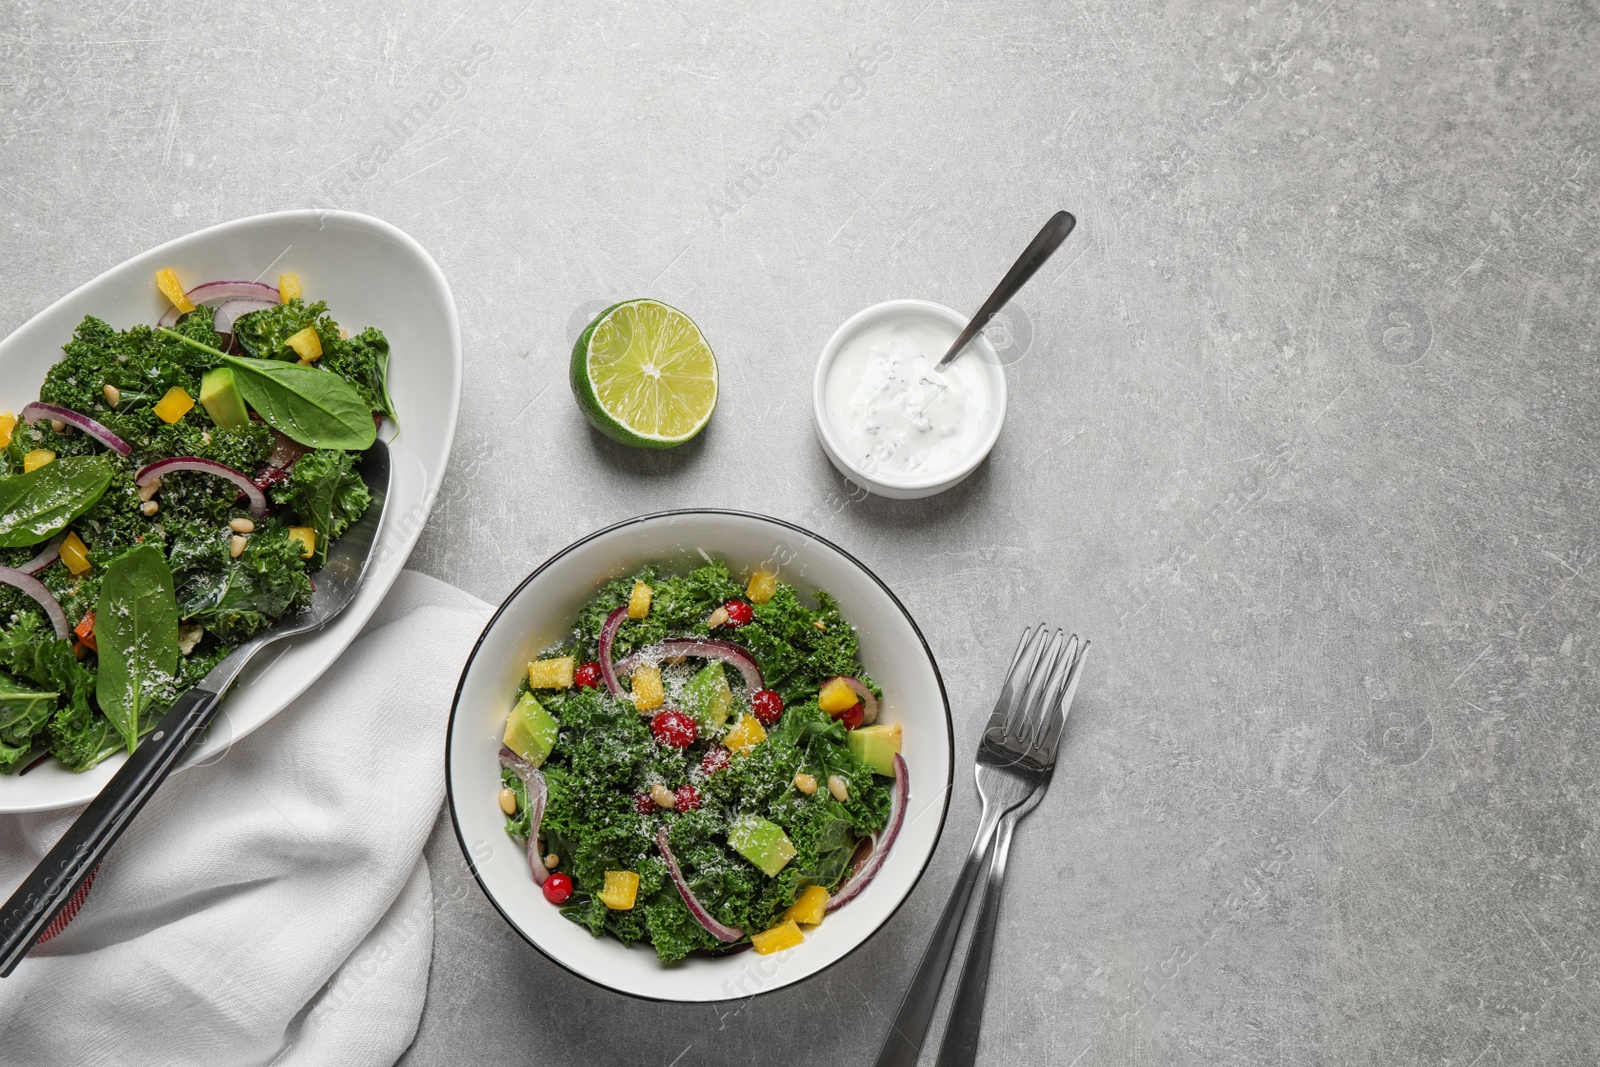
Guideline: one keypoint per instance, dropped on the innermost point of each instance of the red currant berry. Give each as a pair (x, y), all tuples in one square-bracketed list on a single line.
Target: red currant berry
[(688, 798), (714, 760), (739, 612), (588, 676), (852, 716), (673, 729), (644, 804), (557, 888), (767, 705)]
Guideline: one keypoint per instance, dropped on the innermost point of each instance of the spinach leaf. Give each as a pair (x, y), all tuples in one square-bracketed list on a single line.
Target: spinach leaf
[(36, 505), (315, 407), (327, 495), (136, 627)]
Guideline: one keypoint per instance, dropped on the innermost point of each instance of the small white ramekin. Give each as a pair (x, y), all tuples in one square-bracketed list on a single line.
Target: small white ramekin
[(979, 350)]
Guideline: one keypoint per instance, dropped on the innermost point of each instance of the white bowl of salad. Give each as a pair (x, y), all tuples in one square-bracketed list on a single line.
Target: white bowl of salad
[(699, 756)]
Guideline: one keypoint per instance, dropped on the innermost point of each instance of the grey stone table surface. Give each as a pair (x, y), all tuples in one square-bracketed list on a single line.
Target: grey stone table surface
[(1303, 434)]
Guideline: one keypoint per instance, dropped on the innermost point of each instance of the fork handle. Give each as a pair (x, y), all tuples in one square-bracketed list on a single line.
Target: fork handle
[(960, 1045), (904, 1043), (43, 893)]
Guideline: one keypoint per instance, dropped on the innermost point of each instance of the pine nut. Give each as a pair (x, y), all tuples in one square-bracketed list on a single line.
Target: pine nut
[(508, 801), (205, 437), (150, 489), (149, 507), (662, 796), (805, 783), (716, 618), (836, 786), (242, 525), (819, 624), (552, 861), (58, 426), (236, 546), (113, 394), (189, 635)]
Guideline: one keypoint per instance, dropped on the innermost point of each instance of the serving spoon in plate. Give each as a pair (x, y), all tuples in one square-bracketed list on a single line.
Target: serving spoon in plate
[(42, 895)]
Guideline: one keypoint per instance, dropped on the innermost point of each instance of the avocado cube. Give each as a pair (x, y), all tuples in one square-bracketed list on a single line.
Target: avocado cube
[(708, 696), (220, 396), (762, 843), (530, 731), (876, 746)]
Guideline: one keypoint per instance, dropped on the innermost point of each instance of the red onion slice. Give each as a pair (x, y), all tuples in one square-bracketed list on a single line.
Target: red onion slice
[(608, 634), (233, 310), (48, 555), (538, 793), (703, 647), (258, 499), (219, 292), (33, 587), (720, 931), (869, 703), (897, 815), (37, 412)]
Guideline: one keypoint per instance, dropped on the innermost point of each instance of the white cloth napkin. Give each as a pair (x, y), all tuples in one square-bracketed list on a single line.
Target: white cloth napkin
[(272, 907)]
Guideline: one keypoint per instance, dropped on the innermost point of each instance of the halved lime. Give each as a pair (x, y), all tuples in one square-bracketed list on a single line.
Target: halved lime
[(644, 375)]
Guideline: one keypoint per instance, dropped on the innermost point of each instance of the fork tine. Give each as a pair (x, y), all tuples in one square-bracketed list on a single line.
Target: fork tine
[(1026, 711), (1016, 675), (1055, 686), (1052, 736)]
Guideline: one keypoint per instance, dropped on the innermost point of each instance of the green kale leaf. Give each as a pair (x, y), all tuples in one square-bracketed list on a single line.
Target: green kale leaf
[(236, 598), (30, 653), (326, 494)]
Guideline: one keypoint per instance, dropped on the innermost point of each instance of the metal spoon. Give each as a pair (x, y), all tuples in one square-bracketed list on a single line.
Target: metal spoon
[(43, 893), (1049, 239)]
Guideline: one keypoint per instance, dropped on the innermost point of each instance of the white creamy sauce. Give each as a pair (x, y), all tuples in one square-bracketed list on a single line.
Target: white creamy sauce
[(897, 416)]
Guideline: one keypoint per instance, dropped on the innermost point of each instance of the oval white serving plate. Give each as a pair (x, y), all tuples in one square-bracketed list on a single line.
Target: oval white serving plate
[(371, 274), (540, 612)]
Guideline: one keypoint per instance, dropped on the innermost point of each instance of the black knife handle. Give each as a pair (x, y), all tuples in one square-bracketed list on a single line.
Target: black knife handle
[(43, 893)]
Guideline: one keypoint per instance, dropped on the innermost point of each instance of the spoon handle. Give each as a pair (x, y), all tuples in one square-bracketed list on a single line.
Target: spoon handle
[(1040, 249)]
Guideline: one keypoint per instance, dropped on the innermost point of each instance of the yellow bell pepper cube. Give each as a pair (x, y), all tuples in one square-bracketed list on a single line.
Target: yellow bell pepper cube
[(8, 422), (809, 907), (785, 935), (648, 692), (36, 459), (172, 289), (745, 735), (620, 890), (306, 343), (75, 554), (288, 288), (836, 697), (175, 405), (763, 584), (639, 600), (551, 673), (307, 538)]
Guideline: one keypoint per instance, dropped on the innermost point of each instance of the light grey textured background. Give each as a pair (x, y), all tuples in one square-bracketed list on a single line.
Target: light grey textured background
[(1303, 435)]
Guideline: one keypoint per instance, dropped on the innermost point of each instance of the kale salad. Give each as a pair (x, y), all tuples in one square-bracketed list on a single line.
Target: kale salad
[(168, 496), (699, 767)]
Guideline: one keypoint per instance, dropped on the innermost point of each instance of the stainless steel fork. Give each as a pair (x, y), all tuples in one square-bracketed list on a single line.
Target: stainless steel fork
[(1015, 758), (960, 1045)]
